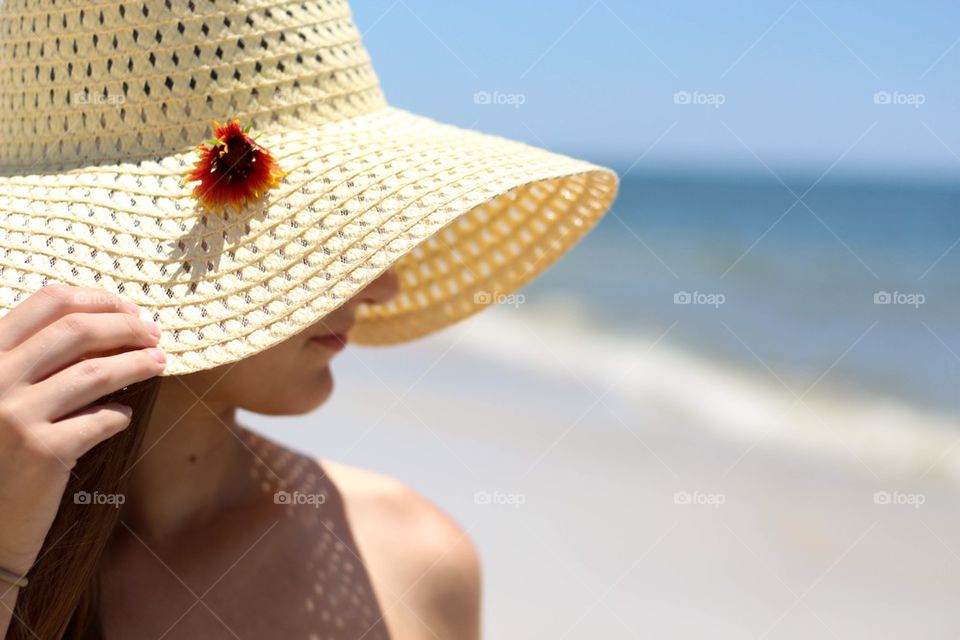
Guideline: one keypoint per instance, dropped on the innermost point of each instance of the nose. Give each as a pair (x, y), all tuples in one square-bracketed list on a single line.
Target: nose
[(382, 290)]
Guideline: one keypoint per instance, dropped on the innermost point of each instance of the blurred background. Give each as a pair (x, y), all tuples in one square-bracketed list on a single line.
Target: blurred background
[(732, 410)]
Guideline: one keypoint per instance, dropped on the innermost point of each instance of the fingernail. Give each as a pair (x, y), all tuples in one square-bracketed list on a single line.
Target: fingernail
[(128, 307), (157, 354), (125, 409), (152, 328)]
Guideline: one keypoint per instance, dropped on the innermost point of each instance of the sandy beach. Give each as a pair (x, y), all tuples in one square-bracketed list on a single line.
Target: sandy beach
[(635, 494)]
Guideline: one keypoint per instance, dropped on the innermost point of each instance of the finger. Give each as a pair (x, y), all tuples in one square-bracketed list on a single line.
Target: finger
[(54, 301), (82, 383), (75, 435), (75, 335)]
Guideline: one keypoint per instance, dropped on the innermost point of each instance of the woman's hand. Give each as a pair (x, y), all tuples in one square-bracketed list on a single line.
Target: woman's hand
[(60, 350)]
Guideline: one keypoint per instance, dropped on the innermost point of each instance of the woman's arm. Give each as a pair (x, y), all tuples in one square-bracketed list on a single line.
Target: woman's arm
[(61, 350), (7, 600)]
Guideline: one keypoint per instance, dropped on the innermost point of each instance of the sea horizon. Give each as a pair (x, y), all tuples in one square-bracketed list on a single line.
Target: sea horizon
[(789, 281)]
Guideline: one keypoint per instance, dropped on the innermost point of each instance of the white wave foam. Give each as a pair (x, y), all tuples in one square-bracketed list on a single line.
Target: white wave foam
[(886, 434)]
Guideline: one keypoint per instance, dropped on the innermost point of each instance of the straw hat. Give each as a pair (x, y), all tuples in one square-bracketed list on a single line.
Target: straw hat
[(103, 105)]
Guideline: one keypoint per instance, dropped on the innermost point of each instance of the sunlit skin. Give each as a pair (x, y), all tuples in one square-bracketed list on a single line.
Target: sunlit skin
[(194, 508)]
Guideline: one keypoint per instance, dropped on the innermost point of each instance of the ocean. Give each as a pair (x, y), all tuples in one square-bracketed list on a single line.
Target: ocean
[(848, 284)]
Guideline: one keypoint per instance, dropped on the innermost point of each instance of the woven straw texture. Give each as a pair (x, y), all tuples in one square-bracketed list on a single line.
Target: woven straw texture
[(102, 104)]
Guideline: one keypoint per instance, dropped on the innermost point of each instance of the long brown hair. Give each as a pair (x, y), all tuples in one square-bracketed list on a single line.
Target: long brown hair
[(62, 599)]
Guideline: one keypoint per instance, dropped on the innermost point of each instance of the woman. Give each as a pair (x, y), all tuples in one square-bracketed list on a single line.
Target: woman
[(203, 534), (152, 284)]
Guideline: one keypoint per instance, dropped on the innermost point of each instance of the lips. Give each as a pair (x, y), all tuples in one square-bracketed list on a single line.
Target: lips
[(332, 341), (335, 334)]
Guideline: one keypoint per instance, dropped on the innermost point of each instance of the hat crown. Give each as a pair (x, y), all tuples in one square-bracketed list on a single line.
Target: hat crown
[(87, 82)]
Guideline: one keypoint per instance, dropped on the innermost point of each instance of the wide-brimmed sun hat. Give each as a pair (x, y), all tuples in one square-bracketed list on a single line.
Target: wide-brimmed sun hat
[(103, 105)]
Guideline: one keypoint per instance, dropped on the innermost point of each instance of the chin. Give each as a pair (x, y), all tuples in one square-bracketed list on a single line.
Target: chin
[(296, 399), (322, 390)]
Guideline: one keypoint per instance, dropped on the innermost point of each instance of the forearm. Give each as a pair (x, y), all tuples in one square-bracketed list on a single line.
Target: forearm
[(7, 601), (9, 591)]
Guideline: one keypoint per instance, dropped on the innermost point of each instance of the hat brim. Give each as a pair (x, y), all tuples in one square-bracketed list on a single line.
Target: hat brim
[(464, 217)]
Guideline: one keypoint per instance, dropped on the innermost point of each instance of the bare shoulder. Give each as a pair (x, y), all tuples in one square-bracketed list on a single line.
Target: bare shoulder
[(423, 566)]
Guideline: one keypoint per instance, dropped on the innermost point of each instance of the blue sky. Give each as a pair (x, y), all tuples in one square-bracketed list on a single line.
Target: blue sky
[(789, 84)]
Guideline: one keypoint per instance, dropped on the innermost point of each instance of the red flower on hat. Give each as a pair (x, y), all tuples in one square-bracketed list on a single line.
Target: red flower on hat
[(232, 169)]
